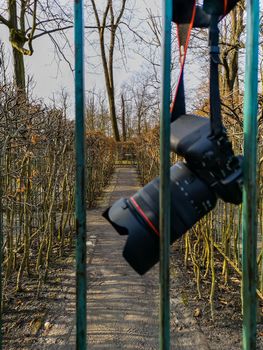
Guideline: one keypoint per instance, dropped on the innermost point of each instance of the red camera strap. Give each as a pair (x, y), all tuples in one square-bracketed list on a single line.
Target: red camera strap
[(183, 35)]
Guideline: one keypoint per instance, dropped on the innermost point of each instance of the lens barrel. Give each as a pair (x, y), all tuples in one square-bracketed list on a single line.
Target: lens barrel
[(138, 216)]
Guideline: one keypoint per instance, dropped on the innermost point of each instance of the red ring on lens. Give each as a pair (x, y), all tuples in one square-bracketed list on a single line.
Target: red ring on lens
[(139, 209)]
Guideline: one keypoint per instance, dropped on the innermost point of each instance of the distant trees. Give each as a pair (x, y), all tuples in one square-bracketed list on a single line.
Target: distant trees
[(232, 37), (137, 107), (143, 100), (97, 114)]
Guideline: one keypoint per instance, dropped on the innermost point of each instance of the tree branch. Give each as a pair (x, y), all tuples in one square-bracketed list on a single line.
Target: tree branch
[(5, 22), (47, 32)]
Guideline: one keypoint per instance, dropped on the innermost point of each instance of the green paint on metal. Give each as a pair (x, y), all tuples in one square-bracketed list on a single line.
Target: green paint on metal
[(80, 199), (165, 179), (1, 255), (249, 219)]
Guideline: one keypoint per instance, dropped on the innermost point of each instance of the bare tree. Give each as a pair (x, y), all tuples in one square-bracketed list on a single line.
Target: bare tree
[(142, 98), (232, 31), (111, 20), (97, 115), (28, 20), (123, 117)]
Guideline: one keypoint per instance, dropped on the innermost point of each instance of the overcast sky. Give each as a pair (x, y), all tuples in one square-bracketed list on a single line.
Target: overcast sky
[(50, 77)]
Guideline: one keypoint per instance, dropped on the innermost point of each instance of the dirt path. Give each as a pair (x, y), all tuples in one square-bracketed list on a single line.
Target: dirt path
[(123, 310), (122, 306)]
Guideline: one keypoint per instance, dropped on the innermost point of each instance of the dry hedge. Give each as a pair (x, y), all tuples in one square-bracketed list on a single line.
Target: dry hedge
[(37, 183), (220, 231)]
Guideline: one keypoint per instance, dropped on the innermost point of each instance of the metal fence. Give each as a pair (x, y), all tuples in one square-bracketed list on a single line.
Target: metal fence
[(249, 220)]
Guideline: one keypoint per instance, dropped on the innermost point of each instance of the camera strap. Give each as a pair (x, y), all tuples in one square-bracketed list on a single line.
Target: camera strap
[(183, 15), (187, 15), (215, 102)]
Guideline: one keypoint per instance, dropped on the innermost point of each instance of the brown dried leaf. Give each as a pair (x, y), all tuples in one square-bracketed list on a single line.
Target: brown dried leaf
[(197, 312), (35, 326)]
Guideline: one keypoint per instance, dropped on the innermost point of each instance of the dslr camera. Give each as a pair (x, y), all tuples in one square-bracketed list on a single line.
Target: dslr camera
[(210, 171)]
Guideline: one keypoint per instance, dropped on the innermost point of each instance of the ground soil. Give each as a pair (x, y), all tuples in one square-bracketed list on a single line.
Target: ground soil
[(122, 306), (224, 330)]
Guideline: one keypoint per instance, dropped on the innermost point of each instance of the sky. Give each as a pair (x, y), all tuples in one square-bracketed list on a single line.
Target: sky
[(48, 76), (51, 76)]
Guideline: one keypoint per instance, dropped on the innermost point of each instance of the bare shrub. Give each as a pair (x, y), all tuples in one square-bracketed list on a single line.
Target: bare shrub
[(37, 180), (219, 233)]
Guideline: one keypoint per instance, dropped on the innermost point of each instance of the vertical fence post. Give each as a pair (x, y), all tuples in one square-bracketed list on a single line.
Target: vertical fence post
[(165, 178), (249, 216), (80, 200), (1, 255)]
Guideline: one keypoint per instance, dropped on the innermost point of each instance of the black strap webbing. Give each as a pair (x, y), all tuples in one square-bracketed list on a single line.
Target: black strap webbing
[(194, 16), (215, 102)]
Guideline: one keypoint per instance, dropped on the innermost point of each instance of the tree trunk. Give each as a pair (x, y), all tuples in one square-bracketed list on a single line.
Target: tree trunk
[(139, 118), (123, 119), (19, 70), (230, 56), (107, 60), (19, 66), (112, 108)]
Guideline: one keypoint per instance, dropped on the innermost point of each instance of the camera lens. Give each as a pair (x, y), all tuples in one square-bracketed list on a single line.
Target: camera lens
[(138, 216)]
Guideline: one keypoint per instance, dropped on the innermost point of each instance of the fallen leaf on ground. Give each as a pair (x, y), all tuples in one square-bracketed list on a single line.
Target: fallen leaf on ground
[(197, 312), (35, 326), (47, 325)]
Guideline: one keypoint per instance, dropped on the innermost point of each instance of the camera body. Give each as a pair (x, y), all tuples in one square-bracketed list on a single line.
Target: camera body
[(210, 171), (211, 158)]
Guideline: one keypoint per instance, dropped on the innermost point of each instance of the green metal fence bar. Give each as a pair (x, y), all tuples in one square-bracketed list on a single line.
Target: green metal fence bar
[(249, 219), (1, 255), (165, 179), (80, 200)]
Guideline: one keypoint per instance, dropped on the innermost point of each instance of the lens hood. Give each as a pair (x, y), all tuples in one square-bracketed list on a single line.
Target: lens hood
[(119, 216), (142, 246)]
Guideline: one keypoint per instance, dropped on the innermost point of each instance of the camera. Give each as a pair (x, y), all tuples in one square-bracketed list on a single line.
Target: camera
[(210, 171)]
